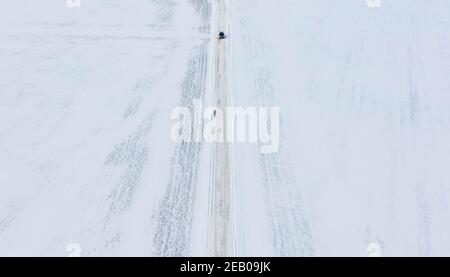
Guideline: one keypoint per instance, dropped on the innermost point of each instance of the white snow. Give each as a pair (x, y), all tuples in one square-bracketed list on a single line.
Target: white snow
[(85, 101), (364, 96), (86, 155)]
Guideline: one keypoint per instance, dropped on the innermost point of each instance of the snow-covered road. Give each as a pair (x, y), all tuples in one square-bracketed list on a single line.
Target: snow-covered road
[(221, 240), (86, 154)]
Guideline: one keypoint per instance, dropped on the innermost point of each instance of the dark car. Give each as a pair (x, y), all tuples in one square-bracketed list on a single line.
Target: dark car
[(222, 35)]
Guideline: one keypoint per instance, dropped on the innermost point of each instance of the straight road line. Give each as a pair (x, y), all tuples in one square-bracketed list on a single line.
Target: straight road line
[(221, 234)]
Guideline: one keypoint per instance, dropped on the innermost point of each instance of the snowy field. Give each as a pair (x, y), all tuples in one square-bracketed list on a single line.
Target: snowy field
[(85, 101), (364, 96), (87, 161)]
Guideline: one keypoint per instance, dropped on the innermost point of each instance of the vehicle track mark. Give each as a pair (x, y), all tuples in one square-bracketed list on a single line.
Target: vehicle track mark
[(175, 212)]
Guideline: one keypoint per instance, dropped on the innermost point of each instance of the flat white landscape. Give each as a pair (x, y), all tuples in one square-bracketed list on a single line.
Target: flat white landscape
[(87, 159)]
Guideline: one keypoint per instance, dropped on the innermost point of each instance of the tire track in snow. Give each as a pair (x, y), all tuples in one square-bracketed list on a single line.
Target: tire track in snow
[(290, 229), (291, 233), (15, 207), (165, 12), (175, 213), (412, 88), (132, 154), (140, 91), (203, 9), (143, 87)]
